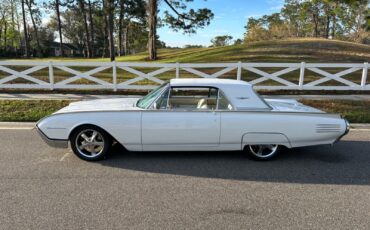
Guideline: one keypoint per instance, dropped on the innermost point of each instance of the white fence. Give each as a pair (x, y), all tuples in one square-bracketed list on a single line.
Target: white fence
[(302, 82)]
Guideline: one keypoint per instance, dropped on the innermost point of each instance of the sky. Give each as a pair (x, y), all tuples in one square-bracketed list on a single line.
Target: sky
[(230, 17)]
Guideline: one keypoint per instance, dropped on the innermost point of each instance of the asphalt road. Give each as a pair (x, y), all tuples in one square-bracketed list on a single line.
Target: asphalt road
[(308, 188)]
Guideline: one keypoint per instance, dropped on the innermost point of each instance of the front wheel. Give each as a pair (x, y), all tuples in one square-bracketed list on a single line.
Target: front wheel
[(263, 152), (90, 143)]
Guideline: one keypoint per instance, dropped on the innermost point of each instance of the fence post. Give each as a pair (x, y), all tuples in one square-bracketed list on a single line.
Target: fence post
[(51, 75), (177, 70), (114, 76), (364, 74), (301, 75), (239, 72)]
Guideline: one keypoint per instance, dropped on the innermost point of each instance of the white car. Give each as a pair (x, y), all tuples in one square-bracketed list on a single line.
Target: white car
[(191, 115)]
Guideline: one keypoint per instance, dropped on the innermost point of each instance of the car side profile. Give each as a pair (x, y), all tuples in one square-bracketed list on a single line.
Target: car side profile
[(191, 115)]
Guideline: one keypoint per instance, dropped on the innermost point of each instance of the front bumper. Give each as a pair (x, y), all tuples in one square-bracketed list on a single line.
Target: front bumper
[(56, 143)]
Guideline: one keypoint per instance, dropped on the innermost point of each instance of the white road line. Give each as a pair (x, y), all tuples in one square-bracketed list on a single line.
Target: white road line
[(65, 156)]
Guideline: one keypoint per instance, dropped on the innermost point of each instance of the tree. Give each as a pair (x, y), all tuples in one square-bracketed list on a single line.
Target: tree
[(91, 20), (341, 19), (55, 5), (238, 41), (221, 40), (188, 21), (367, 24), (81, 4), (130, 12), (35, 15), (73, 29), (8, 33), (152, 24), (27, 44), (109, 8)]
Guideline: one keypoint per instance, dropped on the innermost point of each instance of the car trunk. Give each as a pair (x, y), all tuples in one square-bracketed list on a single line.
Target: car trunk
[(290, 105)]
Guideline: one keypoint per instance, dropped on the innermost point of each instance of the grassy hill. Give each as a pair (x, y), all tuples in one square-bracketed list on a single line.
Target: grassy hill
[(290, 50)]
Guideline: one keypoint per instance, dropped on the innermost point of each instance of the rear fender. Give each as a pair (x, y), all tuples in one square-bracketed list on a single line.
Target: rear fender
[(257, 138)]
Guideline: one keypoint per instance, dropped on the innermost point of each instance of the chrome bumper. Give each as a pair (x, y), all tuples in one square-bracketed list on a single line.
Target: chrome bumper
[(52, 142), (345, 132)]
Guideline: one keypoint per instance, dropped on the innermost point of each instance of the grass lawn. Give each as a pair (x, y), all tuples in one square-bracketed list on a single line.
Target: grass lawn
[(353, 111), (289, 50), (29, 110), (33, 110)]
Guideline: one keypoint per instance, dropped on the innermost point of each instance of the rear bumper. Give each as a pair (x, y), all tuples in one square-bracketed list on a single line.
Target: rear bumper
[(345, 132), (56, 143)]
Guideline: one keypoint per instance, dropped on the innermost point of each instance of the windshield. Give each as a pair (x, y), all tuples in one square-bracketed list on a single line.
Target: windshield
[(144, 102)]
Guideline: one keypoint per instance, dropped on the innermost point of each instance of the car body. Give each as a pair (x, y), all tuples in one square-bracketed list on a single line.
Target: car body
[(195, 115)]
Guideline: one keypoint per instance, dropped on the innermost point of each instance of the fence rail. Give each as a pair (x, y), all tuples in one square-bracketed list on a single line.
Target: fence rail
[(10, 72)]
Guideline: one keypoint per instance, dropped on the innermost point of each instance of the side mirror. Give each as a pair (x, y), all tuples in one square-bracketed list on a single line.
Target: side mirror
[(155, 105)]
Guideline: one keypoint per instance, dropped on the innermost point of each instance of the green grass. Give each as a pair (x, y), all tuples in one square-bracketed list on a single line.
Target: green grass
[(33, 110), (29, 110), (353, 111), (289, 50)]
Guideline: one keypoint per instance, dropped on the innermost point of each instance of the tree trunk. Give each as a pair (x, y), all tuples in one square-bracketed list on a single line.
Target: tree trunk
[(88, 45), (327, 29), (105, 32), (19, 29), (27, 44), (333, 28), (316, 25), (120, 21), (5, 37), (125, 40), (59, 28), (109, 11), (35, 28), (92, 30), (152, 23), (13, 27), (1, 33)]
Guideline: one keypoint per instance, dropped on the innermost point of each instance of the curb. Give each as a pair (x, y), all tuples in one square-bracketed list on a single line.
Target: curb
[(17, 125)]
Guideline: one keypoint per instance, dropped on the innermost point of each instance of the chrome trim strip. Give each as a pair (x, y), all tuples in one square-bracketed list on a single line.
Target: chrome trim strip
[(56, 143), (199, 111)]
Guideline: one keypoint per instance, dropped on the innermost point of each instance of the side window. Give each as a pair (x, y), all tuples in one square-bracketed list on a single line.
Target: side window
[(194, 98), (223, 103)]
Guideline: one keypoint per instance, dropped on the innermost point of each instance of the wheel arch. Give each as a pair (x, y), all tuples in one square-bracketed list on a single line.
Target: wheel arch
[(74, 128), (258, 138)]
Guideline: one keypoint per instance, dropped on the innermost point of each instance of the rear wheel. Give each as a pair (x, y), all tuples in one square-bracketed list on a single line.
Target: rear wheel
[(90, 143), (263, 152)]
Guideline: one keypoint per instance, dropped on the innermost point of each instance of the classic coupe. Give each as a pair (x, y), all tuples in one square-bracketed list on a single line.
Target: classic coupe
[(191, 115)]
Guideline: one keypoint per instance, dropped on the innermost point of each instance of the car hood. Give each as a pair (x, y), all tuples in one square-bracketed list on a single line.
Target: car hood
[(116, 104), (291, 105)]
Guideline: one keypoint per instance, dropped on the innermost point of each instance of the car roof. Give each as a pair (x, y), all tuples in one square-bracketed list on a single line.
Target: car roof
[(239, 93), (206, 82)]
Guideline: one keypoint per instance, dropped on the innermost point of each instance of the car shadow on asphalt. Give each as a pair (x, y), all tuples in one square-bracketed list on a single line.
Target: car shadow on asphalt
[(347, 163)]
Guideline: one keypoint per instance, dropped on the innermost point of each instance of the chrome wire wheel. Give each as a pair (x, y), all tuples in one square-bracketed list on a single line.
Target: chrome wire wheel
[(263, 151), (90, 143)]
